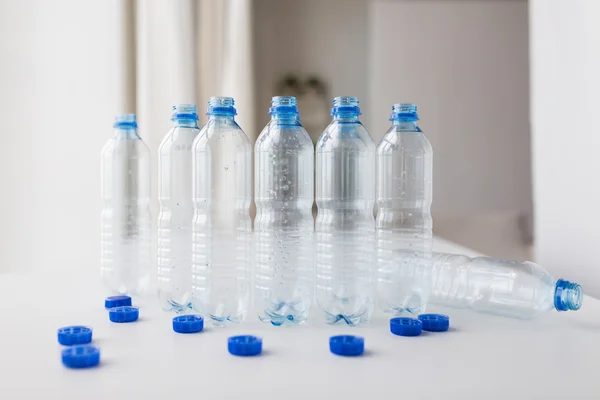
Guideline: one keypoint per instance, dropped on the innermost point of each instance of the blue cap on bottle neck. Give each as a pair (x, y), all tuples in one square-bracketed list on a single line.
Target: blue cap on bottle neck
[(405, 112), (567, 296), (221, 106), (345, 105), (125, 121), (184, 112)]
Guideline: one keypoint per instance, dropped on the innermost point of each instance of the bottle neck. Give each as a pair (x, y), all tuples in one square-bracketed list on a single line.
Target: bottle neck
[(285, 118), (185, 123), (220, 117), (126, 133), (346, 117), (405, 125), (567, 296)]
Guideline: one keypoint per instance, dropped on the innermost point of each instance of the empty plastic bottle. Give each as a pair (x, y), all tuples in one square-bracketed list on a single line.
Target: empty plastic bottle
[(176, 210), (125, 221), (520, 289), (404, 224), (344, 228), (222, 225), (283, 227)]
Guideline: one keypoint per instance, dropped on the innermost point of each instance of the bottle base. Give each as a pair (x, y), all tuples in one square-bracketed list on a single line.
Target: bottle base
[(352, 320), (167, 303), (138, 288), (220, 321), (284, 320), (284, 312), (405, 310)]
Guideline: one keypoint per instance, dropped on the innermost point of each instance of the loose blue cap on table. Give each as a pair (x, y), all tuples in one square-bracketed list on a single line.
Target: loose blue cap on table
[(70, 335), (347, 345), (117, 301), (244, 345), (188, 324), (404, 326), (435, 322), (81, 356), (123, 314)]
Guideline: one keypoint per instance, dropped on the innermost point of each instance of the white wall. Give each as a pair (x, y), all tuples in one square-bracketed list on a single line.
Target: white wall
[(327, 38), (62, 82), (565, 65), (59, 80), (465, 64)]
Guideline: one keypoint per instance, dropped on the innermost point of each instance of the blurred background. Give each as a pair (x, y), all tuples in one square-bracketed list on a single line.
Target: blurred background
[(506, 91)]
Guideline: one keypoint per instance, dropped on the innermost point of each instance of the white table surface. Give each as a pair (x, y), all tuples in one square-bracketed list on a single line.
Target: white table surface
[(482, 357)]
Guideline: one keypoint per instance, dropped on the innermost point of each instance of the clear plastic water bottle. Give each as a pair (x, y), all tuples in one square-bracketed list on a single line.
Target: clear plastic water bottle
[(125, 220), (222, 225), (176, 210), (283, 227), (520, 289), (344, 228), (404, 224)]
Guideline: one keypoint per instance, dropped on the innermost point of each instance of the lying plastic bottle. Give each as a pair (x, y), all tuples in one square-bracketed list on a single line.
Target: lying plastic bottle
[(519, 289)]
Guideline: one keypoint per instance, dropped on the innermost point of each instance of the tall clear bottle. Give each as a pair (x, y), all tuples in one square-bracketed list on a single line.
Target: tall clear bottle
[(283, 227), (176, 210), (518, 289), (125, 219), (344, 228), (222, 226), (404, 223)]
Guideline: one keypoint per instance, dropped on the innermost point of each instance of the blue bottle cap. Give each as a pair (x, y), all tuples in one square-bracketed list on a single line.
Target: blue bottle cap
[(125, 121), (435, 322), (81, 356), (347, 345), (567, 296), (405, 326), (404, 112), (70, 335), (123, 314), (117, 301), (188, 323), (244, 345), (184, 111)]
